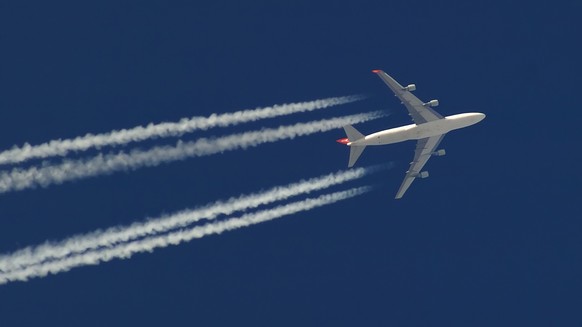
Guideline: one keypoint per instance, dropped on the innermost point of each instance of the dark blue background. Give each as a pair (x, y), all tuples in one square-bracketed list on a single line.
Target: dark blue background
[(492, 238)]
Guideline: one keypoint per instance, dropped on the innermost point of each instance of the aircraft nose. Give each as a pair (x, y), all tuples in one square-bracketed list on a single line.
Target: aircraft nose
[(480, 117)]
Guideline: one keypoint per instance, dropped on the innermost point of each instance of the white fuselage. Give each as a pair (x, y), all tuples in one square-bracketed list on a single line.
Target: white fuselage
[(416, 132)]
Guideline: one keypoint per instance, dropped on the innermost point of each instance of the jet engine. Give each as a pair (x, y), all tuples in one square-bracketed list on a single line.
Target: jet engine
[(439, 153), (431, 103), (422, 174), (410, 88)]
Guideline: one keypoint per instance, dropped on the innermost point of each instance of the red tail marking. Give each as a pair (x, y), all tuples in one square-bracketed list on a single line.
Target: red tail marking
[(343, 141)]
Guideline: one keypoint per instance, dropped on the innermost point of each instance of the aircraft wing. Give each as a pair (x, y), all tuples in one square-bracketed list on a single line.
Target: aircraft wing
[(419, 112), (424, 149)]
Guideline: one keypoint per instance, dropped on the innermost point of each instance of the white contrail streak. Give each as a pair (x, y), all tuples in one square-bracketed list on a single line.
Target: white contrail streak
[(19, 179), (115, 235), (167, 129), (126, 250)]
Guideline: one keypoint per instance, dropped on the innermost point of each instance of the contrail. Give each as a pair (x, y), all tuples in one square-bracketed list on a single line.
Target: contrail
[(167, 129), (126, 250), (113, 236), (45, 175)]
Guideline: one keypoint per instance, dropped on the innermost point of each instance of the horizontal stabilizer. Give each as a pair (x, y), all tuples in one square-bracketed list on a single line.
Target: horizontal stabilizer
[(355, 153), (355, 150), (352, 133)]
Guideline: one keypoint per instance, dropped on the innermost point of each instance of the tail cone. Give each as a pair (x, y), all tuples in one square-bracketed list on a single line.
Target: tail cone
[(343, 141)]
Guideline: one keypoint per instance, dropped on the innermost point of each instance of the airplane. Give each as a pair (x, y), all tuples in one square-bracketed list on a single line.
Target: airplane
[(428, 129)]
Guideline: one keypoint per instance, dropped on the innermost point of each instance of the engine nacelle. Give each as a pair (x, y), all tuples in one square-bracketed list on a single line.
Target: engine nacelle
[(431, 103), (422, 174), (439, 153), (410, 88)]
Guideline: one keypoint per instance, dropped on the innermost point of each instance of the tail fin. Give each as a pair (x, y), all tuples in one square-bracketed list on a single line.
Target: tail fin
[(355, 150)]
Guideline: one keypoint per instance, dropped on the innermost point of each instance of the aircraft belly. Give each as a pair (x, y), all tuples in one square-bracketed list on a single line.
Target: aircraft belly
[(431, 129), (428, 133), (390, 136)]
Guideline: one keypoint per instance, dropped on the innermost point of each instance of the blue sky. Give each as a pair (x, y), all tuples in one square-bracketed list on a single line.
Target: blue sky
[(491, 238)]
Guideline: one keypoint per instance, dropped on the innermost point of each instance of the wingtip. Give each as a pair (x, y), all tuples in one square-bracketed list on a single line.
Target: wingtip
[(376, 71)]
